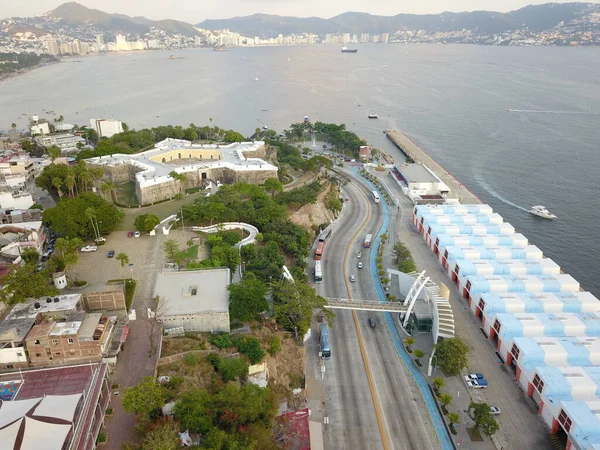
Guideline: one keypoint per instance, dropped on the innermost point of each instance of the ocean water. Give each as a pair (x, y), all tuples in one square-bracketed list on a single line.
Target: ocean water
[(450, 99)]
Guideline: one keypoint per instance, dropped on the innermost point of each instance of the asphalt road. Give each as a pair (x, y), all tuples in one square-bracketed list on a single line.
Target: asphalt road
[(349, 401)]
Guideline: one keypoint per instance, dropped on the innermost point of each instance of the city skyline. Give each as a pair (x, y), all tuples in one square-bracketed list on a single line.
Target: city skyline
[(194, 13)]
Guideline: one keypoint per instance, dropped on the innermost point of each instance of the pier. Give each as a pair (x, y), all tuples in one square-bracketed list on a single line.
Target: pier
[(414, 152)]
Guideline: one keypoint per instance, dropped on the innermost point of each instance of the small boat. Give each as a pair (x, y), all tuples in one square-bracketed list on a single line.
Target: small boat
[(349, 50), (255, 79), (541, 211), (373, 116), (265, 110)]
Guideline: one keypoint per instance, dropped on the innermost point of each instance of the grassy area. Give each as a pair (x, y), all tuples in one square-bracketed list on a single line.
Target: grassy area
[(129, 293), (191, 254), (126, 194), (193, 190)]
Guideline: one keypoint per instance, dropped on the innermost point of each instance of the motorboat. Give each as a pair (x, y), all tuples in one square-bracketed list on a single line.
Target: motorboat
[(373, 116), (541, 211)]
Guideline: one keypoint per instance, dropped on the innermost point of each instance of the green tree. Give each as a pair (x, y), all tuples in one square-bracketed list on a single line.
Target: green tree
[(69, 217), (294, 304), (145, 223), (195, 411), (438, 384), (418, 355), (163, 436), (451, 356), (251, 348), (69, 183), (273, 185), (22, 283), (445, 399), (54, 152), (171, 248), (30, 255), (453, 418), (484, 421), (124, 260), (107, 187), (233, 136), (144, 398), (247, 299), (409, 341), (232, 368), (58, 184), (26, 146), (181, 177)]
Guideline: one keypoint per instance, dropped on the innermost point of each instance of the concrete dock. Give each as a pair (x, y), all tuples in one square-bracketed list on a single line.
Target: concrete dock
[(413, 151)]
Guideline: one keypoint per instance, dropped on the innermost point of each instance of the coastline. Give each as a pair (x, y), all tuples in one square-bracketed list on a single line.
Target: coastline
[(26, 70), (413, 151)]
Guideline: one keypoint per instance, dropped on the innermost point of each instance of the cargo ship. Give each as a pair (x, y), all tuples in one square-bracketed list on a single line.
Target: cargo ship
[(349, 50)]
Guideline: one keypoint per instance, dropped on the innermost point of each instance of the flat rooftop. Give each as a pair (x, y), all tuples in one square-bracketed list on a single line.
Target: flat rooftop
[(417, 173), (193, 291), (28, 309), (154, 171)]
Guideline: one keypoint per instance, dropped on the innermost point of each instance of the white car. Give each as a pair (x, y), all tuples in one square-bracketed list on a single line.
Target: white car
[(474, 384), (352, 278), (359, 254), (360, 265), (88, 248), (494, 410), (137, 234)]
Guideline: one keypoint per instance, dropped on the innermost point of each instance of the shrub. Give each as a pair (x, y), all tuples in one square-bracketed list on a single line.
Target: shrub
[(274, 346), (221, 341), (175, 381), (251, 347), (101, 438), (191, 359), (232, 368)]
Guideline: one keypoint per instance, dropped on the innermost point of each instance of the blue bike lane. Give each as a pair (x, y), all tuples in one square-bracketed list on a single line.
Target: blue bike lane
[(436, 418)]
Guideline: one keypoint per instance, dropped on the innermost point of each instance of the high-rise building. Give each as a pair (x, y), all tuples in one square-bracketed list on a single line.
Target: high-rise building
[(100, 40), (385, 38), (52, 47), (122, 43)]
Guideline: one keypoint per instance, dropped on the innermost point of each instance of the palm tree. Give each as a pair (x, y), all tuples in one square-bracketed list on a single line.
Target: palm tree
[(418, 355), (182, 178), (124, 259), (70, 183), (438, 384), (445, 399), (54, 152), (454, 418), (58, 183), (409, 341), (107, 187), (209, 127)]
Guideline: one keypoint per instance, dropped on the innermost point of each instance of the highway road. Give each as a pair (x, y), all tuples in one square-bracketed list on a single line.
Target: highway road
[(403, 420)]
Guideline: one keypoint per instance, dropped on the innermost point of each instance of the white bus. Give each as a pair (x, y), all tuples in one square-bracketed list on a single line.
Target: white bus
[(375, 196), (318, 272), (367, 242)]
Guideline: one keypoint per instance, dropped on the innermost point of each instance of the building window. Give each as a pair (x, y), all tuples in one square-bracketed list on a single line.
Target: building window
[(481, 305), (19, 354), (70, 340), (36, 342), (456, 269), (564, 420), (193, 290), (422, 220), (10, 366), (54, 342), (468, 286), (538, 384), (38, 355), (446, 254), (515, 351), (429, 230), (497, 326), (57, 353)]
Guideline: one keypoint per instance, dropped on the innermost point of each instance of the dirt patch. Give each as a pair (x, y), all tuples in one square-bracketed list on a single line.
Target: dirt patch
[(315, 214), (305, 178), (195, 375), (174, 345)]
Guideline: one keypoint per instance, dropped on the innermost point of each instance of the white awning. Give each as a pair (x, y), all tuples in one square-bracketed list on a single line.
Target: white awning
[(13, 410), (8, 435), (58, 406), (44, 436)]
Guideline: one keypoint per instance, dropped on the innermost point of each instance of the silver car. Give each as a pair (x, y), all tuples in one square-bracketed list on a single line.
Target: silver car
[(352, 278), (360, 265)]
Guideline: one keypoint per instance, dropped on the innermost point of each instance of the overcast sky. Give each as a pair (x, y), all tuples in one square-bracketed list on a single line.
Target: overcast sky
[(195, 11)]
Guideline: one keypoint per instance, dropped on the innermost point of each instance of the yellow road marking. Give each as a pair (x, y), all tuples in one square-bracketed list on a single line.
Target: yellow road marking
[(361, 344)]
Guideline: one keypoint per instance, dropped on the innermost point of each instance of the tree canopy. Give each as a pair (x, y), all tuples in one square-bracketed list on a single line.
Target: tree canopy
[(247, 299), (484, 421), (294, 304), (145, 223), (69, 217), (144, 398), (451, 356), (24, 282)]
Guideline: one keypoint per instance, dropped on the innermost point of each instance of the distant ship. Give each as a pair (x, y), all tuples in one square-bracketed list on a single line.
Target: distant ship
[(220, 48), (373, 116), (349, 50), (541, 211)]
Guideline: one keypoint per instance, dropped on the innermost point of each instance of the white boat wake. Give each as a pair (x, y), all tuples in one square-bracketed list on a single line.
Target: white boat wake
[(488, 188), (542, 111)]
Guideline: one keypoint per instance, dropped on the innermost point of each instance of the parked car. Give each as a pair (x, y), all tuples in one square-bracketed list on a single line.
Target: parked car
[(137, 234), (352, 278), (372, 322), (40, 266), (111, 254), (474, 376), (130, 234), (360, 265), (477, 384), (494, 410), (89, 248), (359, 254)]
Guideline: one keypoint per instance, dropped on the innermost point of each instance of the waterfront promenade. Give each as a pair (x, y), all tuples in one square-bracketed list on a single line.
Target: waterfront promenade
[(413, 151)]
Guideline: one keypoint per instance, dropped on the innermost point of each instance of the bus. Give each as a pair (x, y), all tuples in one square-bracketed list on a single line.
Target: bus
[(375, 196), (319, 250), (324, 345), (367, 242), (318, 272)]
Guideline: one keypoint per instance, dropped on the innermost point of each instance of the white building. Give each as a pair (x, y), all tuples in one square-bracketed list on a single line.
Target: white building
[(10, 199), (106, 127), (63, 141), (40, 128), (196, 300)]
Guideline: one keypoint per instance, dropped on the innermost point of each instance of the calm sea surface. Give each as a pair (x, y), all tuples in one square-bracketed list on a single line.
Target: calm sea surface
[(450, 99)]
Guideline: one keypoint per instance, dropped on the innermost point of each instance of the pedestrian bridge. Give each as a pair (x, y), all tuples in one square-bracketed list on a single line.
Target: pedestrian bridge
[(364, 305)]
